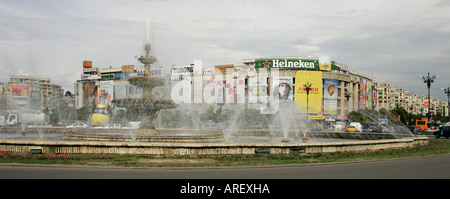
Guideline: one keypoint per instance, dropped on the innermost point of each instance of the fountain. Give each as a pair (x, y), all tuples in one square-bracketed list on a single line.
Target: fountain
[(147, 105), (169, 129), (147, 108), (41, 132)]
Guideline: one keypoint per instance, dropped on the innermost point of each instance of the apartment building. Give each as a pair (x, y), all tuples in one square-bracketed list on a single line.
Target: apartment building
[(390, 98)]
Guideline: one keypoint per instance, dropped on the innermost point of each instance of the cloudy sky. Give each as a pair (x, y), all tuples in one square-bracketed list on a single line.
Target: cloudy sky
[(394, 41)]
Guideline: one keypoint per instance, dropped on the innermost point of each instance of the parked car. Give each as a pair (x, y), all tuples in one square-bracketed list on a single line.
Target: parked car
[(444, 131), (78, 125), (339, 127), (358, 126), (379, 129), (416, 130), (350, 128)]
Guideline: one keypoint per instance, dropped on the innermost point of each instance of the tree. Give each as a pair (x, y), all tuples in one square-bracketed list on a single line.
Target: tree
[(356, 116), (68, 94), (404, 115), (83, 113)]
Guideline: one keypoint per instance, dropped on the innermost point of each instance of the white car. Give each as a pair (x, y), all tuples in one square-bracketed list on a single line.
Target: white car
[(78, 125)]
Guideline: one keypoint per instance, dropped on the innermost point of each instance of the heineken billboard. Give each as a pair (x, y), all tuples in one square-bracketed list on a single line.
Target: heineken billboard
[(294, 64)]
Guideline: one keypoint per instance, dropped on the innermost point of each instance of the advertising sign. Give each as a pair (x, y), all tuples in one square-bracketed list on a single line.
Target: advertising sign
[(107, 76), (120, 92), (78, 88), (88, 93), (87, 64), (362, 95), (114, 76), (140, 73), (127, 68), (293, 64), (374, 96), (85, 76), (283, 89), (106, 92), (369, 94), (257, 92), (20, 91), (330, 90), (325, 63), (224, 68), (314, 100), (134, 91)]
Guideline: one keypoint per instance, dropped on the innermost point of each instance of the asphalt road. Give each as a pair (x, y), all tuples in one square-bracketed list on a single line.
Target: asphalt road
[(430, 167)]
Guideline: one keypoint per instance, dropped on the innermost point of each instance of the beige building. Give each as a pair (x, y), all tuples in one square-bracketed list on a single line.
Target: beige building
[(389, 98), (351, 90), (28, 92)]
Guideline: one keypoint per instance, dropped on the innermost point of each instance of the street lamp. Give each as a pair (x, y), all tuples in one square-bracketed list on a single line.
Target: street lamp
[(447, 92), (428, 80)]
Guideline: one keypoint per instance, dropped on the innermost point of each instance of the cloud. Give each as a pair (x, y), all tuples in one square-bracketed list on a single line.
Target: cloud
[(393, 41)]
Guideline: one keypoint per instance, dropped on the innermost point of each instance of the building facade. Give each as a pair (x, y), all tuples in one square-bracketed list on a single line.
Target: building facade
[(336, 90), (102, 85), (28, 92), (390, 98)]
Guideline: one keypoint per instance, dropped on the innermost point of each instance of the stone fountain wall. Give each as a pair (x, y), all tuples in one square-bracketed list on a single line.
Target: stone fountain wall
[(198, 149)]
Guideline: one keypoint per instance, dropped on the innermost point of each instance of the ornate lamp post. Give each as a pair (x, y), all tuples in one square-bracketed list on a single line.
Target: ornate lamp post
[(428, 80)]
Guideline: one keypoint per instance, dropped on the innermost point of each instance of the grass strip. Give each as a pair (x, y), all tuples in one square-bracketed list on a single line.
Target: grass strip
[(434, 147)]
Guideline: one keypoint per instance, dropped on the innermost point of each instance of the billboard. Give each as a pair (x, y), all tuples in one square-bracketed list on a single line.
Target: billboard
[(87, 64), (330, 90), (127, 68), (362, 95), (295, 64), (20, 91), (314, 103), (325, 63), (78, 88), (257, 92), (368, 94), (223, 68), (374, 95), (120, 92), (114, 76), (133, 91), (106, 92), (88, 93), (283, 90)]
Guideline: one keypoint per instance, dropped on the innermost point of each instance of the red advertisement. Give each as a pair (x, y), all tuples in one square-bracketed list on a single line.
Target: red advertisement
[(21, 91), (87, 64)]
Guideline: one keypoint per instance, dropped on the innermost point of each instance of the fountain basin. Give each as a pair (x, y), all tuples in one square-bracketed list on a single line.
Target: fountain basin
[(195, 149), (165, 136), (147, 82), (144, 103)]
